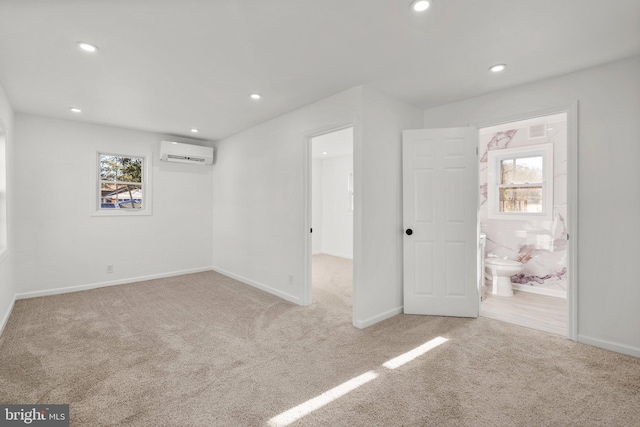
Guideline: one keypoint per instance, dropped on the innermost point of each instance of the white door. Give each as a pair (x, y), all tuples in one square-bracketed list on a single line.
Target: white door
[(440, 211)]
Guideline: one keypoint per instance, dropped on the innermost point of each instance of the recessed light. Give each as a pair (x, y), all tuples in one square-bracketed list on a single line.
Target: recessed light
[(194, 130), (75, 110), (325, 152), (498, 67), (255, 96), (87, 47), (420, 5)]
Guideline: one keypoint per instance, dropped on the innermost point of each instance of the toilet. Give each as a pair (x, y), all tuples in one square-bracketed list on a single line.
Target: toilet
[(499, 271)]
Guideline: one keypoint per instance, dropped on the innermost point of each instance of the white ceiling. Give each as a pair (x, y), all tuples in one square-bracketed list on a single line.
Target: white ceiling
[(334, 144), (167, 66)]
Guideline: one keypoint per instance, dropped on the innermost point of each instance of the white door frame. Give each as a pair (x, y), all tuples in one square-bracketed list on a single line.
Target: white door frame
[(572, 199), (306, 297)]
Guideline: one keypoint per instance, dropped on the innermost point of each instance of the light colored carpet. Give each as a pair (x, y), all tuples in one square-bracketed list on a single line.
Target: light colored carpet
[(205, 350), (332, 280)]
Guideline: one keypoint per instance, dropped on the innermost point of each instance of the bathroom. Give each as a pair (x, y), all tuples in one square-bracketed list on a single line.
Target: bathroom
[(523, 222)]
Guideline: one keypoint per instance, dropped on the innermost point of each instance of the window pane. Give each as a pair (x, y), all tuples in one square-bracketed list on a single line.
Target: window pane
[(131, 170), (114, 168), (524, 170), (120, 196), (521, 199), (109, 167)]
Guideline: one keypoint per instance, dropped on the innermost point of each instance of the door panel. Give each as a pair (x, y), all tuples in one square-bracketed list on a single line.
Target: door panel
[(424, 283), (440, 191)]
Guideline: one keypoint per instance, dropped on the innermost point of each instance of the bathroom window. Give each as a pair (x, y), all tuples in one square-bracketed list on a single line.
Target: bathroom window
[(521, 182), (122, 185)]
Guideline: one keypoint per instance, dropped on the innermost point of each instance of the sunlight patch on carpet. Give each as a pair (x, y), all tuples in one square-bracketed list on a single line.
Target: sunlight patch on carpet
[(416, 352), (294, 414), (297, 412)]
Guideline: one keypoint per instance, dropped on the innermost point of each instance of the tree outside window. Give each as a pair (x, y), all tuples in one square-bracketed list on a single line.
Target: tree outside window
[(520, 182), (121, 182)]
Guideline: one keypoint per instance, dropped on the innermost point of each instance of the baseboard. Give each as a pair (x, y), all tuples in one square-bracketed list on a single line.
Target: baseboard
[(6, 316), (361, 324), (34, 294), (608, 345), (268, 289), (339, 255), (541, 291)]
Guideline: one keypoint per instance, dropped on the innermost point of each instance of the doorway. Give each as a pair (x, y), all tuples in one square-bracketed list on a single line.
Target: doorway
[(524, 222), (420, 205), (332, 209)]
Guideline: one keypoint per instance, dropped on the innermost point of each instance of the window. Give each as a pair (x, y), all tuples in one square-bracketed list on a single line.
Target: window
[(122, 185), (520, 182)]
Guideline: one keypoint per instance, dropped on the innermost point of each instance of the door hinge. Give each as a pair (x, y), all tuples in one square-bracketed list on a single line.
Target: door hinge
[(567, 236), (476, 151)]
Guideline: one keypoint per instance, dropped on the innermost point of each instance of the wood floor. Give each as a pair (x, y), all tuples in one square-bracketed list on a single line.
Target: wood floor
[(534, 311)]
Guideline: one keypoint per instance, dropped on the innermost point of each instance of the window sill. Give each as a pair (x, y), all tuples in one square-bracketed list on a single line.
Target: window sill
[(121, 212)]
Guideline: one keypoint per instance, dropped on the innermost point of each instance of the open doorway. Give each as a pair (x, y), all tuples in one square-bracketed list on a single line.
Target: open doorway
[(524, 222), (332, 208)]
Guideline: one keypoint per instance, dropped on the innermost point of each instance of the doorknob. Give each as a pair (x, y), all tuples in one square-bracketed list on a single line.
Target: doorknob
[(409, 232)]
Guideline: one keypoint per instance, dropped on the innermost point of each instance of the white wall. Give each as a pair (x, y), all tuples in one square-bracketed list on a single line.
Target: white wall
[(337, 218), (7, 282), (260, 222), (378, 169), (259, 199), (61, 247), (316, 206), (609, 197)]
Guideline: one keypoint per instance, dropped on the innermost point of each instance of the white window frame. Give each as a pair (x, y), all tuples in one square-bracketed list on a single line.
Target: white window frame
[(96, 209), (493, 180)]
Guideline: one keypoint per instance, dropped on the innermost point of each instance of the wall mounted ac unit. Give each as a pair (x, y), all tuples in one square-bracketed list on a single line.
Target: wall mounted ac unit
[(171, 151)]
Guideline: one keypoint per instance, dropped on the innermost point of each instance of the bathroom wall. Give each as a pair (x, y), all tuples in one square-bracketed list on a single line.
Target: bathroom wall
[(541, 245)]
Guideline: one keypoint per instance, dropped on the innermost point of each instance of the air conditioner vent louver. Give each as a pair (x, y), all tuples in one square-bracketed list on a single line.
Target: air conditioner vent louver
[(189, 159), (538, 131), (185, 153)]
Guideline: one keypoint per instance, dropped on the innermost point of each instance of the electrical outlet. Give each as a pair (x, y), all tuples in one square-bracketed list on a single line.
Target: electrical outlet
[(109, 268), (291, 280)]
